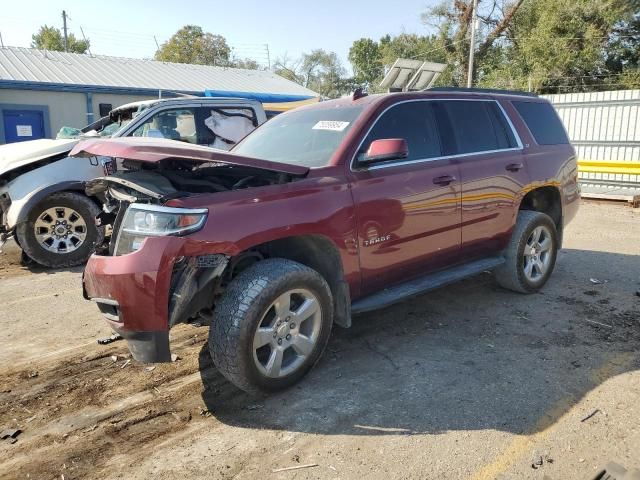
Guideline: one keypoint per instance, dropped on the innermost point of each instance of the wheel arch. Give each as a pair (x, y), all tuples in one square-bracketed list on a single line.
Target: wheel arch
[(546, 199), (44, 192), (314, 251)]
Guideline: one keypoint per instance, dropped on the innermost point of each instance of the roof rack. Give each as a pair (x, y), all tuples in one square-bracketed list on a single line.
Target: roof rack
[(495, 91)]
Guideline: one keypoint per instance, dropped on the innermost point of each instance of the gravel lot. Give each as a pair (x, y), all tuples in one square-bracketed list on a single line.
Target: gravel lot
[(470, 381)]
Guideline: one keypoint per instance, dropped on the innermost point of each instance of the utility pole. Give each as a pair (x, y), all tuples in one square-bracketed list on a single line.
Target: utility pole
[(472, 48), (85, 39), (266, 45), (64, 27)]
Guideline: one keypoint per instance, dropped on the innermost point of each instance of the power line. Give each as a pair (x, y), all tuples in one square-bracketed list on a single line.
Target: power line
[(503, 37)]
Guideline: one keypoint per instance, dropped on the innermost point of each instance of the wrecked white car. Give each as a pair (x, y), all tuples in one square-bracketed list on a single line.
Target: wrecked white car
[(43, 205)]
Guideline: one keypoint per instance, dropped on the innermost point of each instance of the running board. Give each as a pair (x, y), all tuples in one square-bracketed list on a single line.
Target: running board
[(395, 294)]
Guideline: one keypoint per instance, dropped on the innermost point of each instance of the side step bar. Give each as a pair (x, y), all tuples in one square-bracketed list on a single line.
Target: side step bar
[(397, 293)]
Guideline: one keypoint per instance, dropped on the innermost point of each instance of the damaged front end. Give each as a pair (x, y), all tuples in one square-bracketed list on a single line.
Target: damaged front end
[(154, 273)]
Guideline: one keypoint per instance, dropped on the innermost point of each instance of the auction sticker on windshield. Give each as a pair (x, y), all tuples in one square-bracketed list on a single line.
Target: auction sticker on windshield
[(334, 125)]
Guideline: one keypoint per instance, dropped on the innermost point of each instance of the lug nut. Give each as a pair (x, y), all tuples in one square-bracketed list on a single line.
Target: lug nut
[(279, 341), (275, 334), (288, 336)]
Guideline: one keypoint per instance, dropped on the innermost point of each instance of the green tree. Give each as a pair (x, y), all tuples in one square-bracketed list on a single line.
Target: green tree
[(288, 68), (366, 60), (319, 70), (557, 46), (191, 44), (452, 21), (50, 38), (246, 63)]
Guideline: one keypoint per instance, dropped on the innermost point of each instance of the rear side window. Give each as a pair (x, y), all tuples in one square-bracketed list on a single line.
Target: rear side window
[(413, 121), (543, 122), (473, 126)]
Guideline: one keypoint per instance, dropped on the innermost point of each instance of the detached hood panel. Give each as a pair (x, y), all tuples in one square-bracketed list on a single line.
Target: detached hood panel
[(15, 155), (154, 150)]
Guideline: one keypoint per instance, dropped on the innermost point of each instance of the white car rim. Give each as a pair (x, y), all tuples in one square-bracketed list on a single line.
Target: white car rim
[(60, 230)]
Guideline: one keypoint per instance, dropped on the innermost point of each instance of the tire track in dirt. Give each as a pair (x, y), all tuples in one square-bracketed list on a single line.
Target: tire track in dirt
[(82, 408)]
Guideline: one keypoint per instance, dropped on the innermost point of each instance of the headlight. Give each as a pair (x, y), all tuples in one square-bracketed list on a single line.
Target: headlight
[(141, 221)]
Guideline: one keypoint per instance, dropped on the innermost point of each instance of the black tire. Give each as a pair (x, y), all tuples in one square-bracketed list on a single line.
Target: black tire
[(85, 207), (240, 311), (511, 274)]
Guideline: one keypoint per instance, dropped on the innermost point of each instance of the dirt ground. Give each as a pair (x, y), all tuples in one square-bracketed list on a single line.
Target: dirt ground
[(470, 381)]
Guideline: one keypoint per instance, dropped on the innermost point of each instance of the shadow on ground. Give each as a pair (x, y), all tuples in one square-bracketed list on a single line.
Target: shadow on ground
[(469, 356)]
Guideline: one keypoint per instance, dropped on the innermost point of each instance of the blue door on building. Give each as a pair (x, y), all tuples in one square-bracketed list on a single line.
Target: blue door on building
[(23, 125)]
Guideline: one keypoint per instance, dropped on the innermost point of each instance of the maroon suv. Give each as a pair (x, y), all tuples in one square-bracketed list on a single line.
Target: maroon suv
[(338, 208)]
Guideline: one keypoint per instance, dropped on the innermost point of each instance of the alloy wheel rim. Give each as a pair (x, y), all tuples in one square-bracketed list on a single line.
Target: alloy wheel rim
[(537, 253), (60, 230), (287, 333)]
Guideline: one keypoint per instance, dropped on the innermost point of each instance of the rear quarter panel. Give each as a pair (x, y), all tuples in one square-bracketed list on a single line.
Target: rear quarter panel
[(549, 165)]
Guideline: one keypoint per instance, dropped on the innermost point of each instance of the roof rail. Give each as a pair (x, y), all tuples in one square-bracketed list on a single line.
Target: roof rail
[(495, 91)]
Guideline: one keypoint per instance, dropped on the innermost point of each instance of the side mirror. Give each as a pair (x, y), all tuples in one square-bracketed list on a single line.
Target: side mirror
[(386, 149)]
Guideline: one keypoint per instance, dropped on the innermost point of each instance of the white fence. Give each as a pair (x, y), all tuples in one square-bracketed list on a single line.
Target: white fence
[(603, 126)]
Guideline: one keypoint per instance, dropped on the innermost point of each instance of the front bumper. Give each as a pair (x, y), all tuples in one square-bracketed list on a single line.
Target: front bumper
[(132, 292), (142, 294)]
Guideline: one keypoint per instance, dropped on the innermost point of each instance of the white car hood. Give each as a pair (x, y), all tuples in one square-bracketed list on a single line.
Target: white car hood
[(17, 154)]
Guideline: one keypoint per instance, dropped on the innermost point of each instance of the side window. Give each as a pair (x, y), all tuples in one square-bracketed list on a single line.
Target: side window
[(178, 124), (502, 129), (224, 127), (543, 121), (474, 126), (413, 121)]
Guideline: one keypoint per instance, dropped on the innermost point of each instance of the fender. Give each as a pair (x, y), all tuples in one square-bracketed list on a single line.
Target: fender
[(44, 192), (67, 173)]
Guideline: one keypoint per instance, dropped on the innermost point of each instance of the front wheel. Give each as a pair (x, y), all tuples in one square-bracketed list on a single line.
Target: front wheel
[(271, 325), (531, 253), (60, 231)]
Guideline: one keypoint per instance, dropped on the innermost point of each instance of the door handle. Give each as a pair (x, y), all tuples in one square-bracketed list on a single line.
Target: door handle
[(444, 180), (514, 167)]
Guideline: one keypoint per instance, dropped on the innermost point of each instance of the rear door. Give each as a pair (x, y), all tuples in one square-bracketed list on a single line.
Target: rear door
[(408, 211), (492, 172)]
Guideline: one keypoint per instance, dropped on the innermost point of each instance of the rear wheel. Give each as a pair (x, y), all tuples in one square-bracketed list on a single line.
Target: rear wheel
[(531, 254), (60, 231), (271, 326)]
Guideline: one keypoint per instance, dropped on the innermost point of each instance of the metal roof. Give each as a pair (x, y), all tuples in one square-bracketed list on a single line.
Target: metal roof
[(30, 65)]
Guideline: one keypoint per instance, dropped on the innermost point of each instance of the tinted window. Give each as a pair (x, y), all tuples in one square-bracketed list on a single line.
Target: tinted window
[(544, 123), (473, 126), (413, 121), (503, 131)]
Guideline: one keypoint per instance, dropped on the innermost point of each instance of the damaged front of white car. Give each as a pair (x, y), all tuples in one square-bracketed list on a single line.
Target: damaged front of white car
[(43, 203)]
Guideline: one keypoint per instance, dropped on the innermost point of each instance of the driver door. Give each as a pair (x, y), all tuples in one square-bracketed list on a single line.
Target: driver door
[(408, 210)]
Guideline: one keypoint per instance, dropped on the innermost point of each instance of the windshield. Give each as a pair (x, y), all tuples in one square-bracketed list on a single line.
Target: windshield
[(305, 137), (117, 119), (112, 127)]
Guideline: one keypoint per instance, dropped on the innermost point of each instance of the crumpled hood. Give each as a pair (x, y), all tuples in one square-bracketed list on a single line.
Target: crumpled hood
[(154, 150), (14, 155)]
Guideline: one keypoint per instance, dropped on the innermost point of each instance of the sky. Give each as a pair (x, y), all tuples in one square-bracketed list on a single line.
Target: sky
[(127, 28)]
